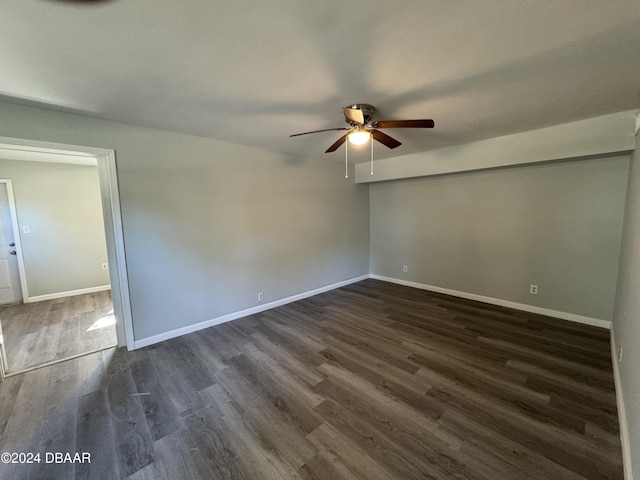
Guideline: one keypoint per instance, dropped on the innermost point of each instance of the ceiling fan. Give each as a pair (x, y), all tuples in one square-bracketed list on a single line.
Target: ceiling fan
[(362, 127)]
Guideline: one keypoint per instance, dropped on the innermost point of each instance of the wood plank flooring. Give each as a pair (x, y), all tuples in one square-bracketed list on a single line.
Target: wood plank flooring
[(51, 330), (372, 381)]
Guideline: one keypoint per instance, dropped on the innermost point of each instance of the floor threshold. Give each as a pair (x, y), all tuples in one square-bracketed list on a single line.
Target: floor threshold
[(60, 360)]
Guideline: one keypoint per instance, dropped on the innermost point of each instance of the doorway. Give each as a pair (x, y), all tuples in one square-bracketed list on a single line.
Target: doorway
[(99, 308), (66, 310), (10, 289)]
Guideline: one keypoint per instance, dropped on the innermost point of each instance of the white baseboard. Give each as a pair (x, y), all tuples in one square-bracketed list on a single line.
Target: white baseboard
[(145, 342), (595, 322), (622, 411), (69, 293)]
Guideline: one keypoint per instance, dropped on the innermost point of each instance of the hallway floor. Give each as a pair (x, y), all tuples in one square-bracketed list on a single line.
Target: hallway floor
[(52, 330)]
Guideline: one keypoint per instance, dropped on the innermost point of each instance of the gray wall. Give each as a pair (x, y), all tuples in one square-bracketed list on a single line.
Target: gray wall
[(208, 224), (61, 204), (626, 324), (494, 232)]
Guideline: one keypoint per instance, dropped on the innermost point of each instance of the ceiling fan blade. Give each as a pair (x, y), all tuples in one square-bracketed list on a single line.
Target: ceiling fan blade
[(404, 124), (385, 139), (354, 115), (337, 144), (318, 131)]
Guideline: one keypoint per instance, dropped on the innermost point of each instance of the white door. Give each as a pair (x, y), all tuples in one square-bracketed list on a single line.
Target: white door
[(10, 291)]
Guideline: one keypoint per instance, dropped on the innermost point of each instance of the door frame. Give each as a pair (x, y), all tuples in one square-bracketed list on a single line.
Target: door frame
[(16, 237), (3, 356), (112, 215)]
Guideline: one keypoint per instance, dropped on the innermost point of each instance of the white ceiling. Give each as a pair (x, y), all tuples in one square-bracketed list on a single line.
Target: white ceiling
[(255, 71)]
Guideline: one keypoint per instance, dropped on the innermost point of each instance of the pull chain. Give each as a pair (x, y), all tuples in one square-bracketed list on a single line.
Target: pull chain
[(346, 158), (371, 140)]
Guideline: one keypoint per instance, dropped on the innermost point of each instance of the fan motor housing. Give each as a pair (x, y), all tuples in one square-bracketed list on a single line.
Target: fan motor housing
[(366, 109)]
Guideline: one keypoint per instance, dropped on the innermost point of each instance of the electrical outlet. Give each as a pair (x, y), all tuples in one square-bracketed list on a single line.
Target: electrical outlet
[(105, 266), (260, 296), (620, 354), (26, 229), (405, 269), (533, 289)]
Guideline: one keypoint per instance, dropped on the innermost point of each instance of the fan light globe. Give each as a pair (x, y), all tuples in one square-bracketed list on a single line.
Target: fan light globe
[(360, 137)]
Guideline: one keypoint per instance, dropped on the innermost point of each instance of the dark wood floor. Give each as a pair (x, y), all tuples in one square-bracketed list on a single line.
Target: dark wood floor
[(51, 330), (371, 381)]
